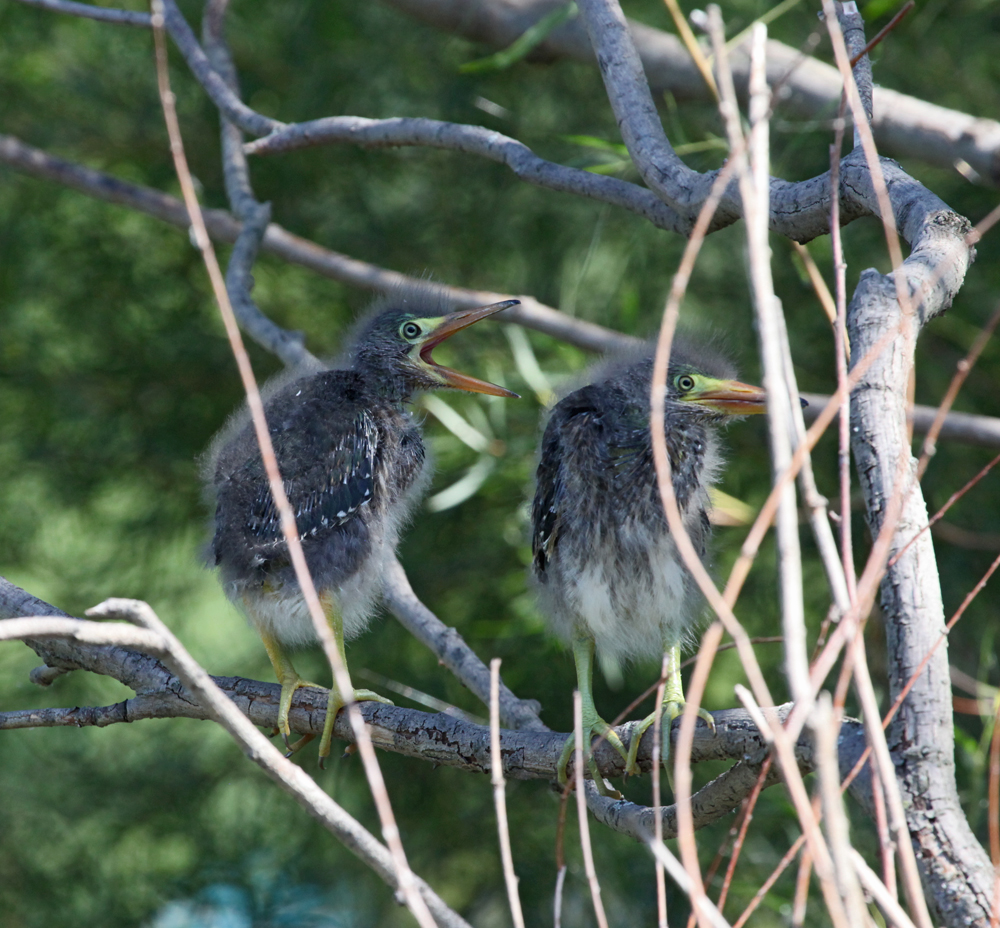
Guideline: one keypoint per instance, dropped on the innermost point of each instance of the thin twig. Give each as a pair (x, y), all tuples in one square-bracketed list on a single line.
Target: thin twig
[(682, 766), (841, 346), (581, 811), (884, 31), (322, 628), (691, 44), (801, 889), (499, 797), (885, 901), (887, 849), (825, 732), (962, 371), (751, 802), (680, 876), (754, 189), (153, 637), (660, 873)]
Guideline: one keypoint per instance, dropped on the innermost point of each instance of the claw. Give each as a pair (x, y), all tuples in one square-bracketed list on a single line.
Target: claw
[(333, 706), (593, 726), (671, 710)]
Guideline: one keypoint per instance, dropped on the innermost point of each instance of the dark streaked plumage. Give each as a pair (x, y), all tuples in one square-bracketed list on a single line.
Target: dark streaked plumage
[(353, 464), (605, 566)]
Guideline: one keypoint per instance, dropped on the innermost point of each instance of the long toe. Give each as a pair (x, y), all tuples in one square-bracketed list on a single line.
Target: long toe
[(288, 687), (593, 728), (333, 706)]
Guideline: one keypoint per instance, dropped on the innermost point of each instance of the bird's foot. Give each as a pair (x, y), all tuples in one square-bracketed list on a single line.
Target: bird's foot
[(593, 725), (333, 706), (671, 709), (289, 684)]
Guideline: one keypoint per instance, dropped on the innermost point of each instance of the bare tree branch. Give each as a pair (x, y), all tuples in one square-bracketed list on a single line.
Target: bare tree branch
[(453, 652), (436, 738), (256, 217), (88, 11), (903, 125), (229, 104), (296, 250), (475, 140)]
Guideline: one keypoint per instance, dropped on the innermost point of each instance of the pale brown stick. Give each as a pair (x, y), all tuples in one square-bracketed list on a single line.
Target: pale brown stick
[(841, 347), (744, 827), (887, 849), (889, 906), (753, 186), (825, 731), (682, 759), (581, 811), (499, 797), (324, 633), (801, 889), (661, 885)]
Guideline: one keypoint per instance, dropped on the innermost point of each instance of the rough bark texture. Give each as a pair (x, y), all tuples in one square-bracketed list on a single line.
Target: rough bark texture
[(956, 872)]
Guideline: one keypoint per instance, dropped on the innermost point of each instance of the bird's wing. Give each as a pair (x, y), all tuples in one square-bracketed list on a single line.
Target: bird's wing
[(575, 428), (340, 482), (327, 487)]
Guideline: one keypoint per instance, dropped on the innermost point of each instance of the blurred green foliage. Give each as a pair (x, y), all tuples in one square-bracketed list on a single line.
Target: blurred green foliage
[(114, 375)]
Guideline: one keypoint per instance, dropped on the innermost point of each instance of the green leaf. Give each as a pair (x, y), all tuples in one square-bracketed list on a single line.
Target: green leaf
[(523, 45)]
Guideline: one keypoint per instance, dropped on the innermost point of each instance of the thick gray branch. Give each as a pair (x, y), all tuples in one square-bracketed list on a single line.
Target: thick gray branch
[(294, 249), (256, 217), (440, 738), (903, 125), (959, 427), (955, 869), (234, 109), (475, 140), (89, 11)]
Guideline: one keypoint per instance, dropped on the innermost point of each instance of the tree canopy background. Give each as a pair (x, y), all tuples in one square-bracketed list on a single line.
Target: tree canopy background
[(115, 373)]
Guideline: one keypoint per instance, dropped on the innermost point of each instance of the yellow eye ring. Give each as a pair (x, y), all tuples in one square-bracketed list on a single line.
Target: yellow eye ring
[(410, 331), (685, 383)]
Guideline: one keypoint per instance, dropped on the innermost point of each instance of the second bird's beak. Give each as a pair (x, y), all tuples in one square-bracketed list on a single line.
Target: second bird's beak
[(728, 396), (448, 326)]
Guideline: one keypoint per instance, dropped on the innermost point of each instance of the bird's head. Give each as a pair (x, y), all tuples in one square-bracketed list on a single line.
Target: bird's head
[(718, 396), (396, 344)]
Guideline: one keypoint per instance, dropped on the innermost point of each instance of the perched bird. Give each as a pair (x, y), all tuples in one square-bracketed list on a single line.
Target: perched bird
[(606, 569), (353, 465)]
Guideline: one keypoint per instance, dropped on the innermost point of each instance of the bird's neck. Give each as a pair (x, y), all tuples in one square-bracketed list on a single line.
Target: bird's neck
[(385, 384)]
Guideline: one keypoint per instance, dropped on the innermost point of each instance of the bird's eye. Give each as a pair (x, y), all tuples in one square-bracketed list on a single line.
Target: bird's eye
[(409, 330), (685, 383)]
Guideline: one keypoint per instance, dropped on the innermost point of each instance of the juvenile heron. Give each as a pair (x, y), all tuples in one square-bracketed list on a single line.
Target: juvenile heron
[(353, 465), (605, 565)]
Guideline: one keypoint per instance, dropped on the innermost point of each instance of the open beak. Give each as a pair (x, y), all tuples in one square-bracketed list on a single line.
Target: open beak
[(449, 325), (728, 396)]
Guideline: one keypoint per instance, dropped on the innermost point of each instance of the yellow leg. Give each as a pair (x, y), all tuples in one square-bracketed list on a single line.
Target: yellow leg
[(593, 724), (672, 708), (290, 681), (337, 700)]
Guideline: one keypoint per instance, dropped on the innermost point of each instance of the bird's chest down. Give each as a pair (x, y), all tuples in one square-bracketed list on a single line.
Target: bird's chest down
[(631, 591), (347, 544)]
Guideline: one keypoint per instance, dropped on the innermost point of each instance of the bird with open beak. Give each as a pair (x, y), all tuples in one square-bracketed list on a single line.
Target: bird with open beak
[(605, 567), (353, 465)]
